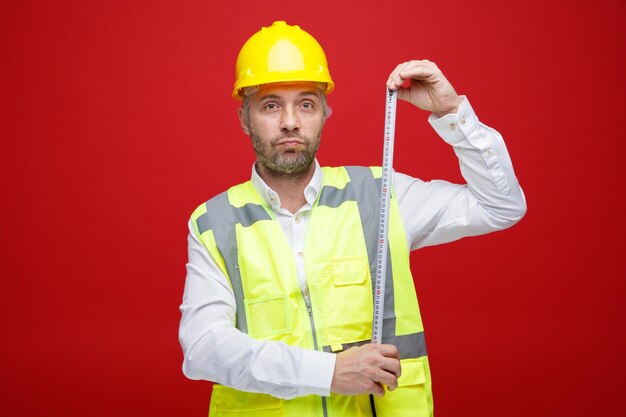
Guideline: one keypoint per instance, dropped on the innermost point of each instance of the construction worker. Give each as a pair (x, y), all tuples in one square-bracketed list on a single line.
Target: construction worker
[(277, 308)]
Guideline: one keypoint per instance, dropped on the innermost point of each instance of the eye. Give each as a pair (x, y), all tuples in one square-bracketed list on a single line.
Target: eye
[(307, 105), (270, 106)]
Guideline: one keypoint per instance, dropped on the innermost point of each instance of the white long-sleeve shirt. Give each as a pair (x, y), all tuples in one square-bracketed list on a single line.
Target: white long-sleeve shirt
[(433, 212)]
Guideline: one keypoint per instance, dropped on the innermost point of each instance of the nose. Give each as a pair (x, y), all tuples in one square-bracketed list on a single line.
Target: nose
[(289, 119)]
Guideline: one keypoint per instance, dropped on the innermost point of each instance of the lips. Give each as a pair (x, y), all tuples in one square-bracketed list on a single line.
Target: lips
[(290, 142)]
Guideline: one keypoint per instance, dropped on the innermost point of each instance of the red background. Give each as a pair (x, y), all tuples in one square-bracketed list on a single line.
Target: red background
[(117, 122)]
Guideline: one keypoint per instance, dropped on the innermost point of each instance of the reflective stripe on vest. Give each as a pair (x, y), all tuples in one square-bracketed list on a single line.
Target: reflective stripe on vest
[(221, 217), (222, 221)]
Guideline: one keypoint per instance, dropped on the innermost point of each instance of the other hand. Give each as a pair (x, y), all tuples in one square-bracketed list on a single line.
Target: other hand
[(427, 87), (364, 370)]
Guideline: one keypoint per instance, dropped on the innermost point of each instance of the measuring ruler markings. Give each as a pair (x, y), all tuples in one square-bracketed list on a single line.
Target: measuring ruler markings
[(385, 197)]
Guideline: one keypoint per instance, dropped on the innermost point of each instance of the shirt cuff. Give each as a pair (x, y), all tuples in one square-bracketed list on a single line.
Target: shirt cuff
[(456, 127), (316, 373)]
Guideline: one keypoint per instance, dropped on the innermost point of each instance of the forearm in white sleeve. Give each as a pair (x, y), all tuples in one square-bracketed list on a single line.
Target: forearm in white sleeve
[(215, 350), (437, 212)]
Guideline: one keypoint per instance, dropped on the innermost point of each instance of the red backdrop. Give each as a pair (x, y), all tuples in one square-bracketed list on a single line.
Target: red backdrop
[(117, 122)]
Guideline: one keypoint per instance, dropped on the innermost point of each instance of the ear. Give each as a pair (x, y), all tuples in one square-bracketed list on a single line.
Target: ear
[(329, 111), (242, 122)]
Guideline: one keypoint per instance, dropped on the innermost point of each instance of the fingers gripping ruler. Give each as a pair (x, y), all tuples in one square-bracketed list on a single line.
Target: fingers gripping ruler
[(385, 201)]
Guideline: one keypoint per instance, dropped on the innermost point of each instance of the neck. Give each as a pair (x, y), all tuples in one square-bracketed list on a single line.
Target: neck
[(289, 187)]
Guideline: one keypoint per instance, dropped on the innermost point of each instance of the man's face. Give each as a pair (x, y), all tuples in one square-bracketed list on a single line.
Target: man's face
[(285, 125)]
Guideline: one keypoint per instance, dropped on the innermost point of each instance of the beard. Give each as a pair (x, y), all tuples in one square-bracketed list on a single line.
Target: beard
[(290, 163)]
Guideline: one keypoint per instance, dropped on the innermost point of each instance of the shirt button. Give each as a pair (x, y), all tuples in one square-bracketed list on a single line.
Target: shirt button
[(301, 254), (297, 219), (452, 126), (462, 121)]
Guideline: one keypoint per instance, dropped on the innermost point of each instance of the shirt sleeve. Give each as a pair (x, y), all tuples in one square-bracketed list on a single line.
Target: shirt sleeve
[(215, 350), (436, 212)]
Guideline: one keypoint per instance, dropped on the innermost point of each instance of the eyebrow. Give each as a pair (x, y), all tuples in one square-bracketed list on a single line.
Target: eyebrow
[(276, 96)]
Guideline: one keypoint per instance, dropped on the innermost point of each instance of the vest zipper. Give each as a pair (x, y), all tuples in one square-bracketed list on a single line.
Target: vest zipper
[(307, 302)]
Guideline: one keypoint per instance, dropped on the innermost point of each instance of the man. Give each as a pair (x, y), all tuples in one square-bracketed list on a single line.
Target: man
[(277, 307)]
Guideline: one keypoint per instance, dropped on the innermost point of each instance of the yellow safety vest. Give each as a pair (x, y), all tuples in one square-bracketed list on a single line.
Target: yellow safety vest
[(242, 235)]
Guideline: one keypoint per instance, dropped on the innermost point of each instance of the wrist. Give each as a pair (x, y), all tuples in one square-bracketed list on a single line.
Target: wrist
[(454, 108)]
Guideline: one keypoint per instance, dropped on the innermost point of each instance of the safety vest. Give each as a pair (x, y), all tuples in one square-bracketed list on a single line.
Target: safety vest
[(242, 235)]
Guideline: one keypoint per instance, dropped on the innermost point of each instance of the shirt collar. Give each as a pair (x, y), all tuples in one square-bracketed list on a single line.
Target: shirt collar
[(271, 198)]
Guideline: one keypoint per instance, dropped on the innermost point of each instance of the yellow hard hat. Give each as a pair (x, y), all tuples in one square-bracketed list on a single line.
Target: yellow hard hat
[(281, 53)]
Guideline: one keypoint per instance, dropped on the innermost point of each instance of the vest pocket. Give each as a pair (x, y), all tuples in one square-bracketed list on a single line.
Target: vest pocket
[(229, 402), (349, 271), (268, 316), (410, 399), (412, 373), (348, 302)]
